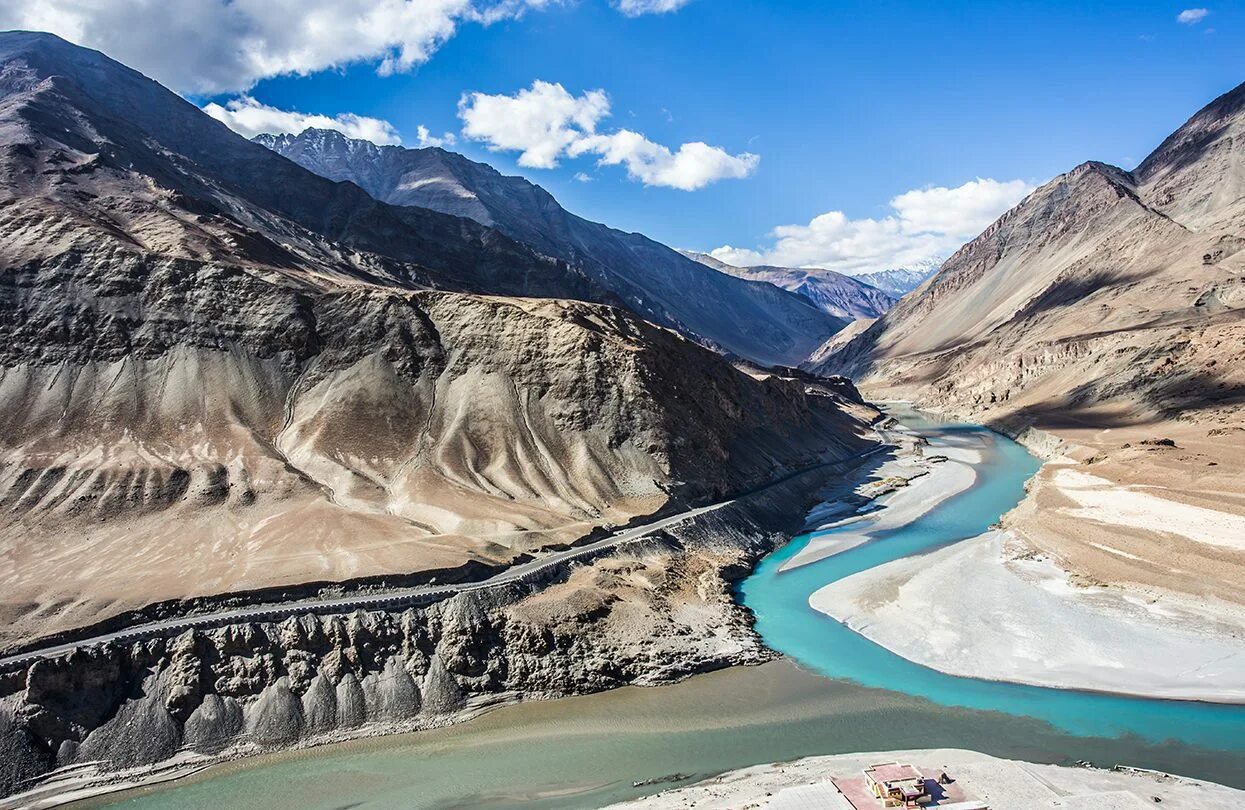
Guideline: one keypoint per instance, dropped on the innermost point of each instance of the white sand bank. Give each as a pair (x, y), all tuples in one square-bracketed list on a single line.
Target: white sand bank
[(1003, 784), (978, 609), (929, 484)]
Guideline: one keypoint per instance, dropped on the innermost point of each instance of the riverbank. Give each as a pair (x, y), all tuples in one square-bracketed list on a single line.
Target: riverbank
[(595, 750), (1108, 578), (991, 608), (898, 493), (1002, 784)]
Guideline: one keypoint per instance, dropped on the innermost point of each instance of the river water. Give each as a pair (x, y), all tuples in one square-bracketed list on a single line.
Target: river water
[(836, 693)]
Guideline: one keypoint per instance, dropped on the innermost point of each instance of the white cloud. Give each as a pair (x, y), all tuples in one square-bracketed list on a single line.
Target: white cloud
[(546, 123), (693, 166), (1192, 16), (582, 177), (635, 8), (541, 122), (964, 210), (222, 46), (249, 118), (925, 223), (426, 138)]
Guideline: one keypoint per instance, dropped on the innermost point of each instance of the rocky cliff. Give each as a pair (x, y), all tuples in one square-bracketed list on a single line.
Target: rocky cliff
[(745, 317), (656, 611)]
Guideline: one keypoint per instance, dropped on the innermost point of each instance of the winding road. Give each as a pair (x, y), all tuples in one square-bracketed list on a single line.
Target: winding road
[(422, 594)]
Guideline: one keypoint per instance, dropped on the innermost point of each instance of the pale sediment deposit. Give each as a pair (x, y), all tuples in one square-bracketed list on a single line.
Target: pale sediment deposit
[(896, 494), (991, 608), (1000, 784)]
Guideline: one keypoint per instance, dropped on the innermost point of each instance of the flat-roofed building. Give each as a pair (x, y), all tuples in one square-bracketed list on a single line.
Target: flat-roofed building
[(893, 781)]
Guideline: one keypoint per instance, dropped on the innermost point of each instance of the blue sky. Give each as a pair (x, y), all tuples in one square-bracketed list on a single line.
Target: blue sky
[(847, 104)]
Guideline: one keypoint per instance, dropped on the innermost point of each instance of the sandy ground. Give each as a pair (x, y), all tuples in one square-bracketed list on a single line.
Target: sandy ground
[(1124, 509), (990, 608), (1001, 783), (899, 492)]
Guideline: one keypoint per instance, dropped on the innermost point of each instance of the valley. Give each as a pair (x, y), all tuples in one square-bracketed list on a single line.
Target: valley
[(341, 472)]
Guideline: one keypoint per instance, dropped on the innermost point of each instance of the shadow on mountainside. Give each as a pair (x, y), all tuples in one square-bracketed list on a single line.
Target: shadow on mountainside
[(1069, 289), (1170, 397)]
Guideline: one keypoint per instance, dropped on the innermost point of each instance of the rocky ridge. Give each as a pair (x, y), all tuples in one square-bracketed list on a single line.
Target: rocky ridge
[(747, 318), (899, 281)]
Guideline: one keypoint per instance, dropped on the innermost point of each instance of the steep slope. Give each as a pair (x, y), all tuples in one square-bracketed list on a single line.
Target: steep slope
[(182, 181), (1108, 310), (899, 281), (839, 295), (747, 318), (220, 372)]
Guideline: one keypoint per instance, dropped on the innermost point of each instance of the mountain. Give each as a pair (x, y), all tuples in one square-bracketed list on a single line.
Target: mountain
[(899, 281), (834, 293), (223, 373), (1102, 319), (747, 318)]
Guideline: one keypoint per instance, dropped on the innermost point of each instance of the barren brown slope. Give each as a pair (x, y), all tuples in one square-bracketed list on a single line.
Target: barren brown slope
[(207, 386), (1106, 309)]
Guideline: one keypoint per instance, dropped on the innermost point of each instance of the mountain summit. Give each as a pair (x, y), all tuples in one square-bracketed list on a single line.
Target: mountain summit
[(748, 318)]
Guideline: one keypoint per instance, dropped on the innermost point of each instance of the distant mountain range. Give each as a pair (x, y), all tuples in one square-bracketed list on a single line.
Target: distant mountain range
[(834, 293), (900, 281), (748, 318)]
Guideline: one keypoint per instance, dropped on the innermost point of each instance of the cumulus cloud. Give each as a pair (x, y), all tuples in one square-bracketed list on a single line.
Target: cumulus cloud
[(222, 46), (540, 123), (581, 177), (425, 138), (925, 223), (1192, 16), (961, 211), (546, 123), (635, 8), (249, 117)]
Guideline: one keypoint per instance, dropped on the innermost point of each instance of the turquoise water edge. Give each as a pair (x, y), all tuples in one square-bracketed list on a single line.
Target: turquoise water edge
[(842, 694), (788, 624)]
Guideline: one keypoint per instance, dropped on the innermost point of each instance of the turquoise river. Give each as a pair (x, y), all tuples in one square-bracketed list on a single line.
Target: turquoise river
[(836, 692)]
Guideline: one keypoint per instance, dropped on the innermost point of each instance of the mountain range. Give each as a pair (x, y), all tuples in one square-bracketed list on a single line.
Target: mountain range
[(221, 372), (899, 281), (747, 318), (834, 293)]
